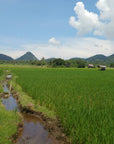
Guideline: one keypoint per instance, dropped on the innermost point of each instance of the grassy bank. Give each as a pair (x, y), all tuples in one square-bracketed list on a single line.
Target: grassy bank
[(8, 124), (81, 98), (8, 120), (1, 73)]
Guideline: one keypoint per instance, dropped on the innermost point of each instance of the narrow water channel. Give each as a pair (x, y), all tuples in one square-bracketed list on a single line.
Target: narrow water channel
[(33, 131)]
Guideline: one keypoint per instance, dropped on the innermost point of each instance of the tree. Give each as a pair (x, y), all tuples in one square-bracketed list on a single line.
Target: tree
[(112, 65), (68, 63), (43, 61), (58, 62), (81, 63)]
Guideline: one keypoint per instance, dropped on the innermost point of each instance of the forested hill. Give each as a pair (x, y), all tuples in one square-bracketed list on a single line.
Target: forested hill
[(99, 59), (110, 59), (27, 57)]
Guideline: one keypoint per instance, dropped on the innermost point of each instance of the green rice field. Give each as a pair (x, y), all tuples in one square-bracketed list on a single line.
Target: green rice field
[(82, 98)]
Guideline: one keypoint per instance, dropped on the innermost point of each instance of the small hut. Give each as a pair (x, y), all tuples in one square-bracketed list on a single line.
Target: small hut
[(102, 67), (90, 66)]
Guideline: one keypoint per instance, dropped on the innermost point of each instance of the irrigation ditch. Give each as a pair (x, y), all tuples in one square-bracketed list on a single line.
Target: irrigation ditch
[(36, 127)]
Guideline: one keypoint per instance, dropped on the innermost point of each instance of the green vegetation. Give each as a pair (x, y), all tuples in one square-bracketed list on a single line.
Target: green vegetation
[(8, 120), (29, 59), (101, 59), (26, 100), (8, 124), (1, 89), (1, 72), (112, 65), (81, 98)]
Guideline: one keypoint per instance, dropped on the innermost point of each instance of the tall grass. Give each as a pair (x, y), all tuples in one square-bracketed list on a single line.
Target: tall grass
[(8, 124), (81, 98), (1, 73)]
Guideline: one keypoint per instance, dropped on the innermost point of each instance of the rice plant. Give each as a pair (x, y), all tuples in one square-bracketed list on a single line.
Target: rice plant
[(82, 99)]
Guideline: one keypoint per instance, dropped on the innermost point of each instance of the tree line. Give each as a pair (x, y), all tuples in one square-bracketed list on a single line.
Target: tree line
[(78, 63)]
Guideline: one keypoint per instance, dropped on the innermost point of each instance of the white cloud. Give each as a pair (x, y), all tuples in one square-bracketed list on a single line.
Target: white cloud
[(70, 47), (105, 7), (14, 53), (87, 22), (75, 47), (54, 41)]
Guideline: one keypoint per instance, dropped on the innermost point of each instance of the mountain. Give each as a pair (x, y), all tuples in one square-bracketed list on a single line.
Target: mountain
[(97, 59), (110, 59), (77, 58), (101, 59), (5, 57), (27, 57), (49, 59)]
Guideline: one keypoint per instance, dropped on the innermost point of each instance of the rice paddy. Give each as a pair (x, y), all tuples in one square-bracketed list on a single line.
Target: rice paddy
[(81, 98)]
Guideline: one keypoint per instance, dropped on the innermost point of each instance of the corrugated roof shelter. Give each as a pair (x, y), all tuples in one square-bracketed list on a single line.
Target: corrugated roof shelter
[(90, 66), (102, 67)]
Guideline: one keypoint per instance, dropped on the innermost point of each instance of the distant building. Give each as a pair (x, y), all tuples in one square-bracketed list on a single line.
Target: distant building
[(90, 66), (102, 67)]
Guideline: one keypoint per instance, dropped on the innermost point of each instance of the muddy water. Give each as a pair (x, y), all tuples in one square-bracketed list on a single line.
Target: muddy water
[(33, 131), (9, 103)]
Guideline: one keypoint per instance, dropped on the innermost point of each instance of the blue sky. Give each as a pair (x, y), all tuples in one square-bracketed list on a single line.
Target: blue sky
[(47, 28)]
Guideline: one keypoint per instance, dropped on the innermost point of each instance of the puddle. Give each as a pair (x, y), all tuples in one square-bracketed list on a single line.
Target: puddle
[(10, 103), (5, 88), (33, 131)]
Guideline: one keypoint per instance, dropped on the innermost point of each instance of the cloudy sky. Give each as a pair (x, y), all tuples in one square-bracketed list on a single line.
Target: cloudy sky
[(57, 28)]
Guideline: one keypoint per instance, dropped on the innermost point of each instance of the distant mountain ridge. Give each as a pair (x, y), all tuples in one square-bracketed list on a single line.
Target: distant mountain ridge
[(49, 59), (101, 59), (5, 57), (77, 58), (110, 59), (93, 59), (27, 57), (98, 59)]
